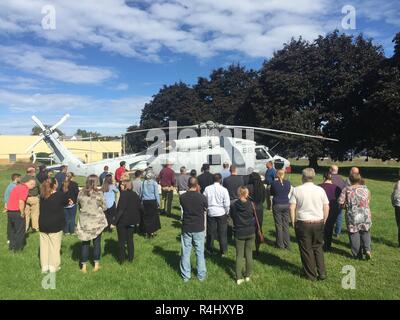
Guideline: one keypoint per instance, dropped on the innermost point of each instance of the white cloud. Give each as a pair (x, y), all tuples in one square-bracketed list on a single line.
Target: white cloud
[(110, 115), (202, 28), (49, 64)]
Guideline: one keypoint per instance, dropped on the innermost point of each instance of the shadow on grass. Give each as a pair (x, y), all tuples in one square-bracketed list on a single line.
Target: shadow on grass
[(176, 224), (174, 216), (111, 248), (384, 241), (341, 252), (228, 265), (270, 259), (171, 257), (272, 241)]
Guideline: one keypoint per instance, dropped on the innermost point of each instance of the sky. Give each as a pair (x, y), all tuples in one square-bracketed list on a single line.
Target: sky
[(102, 60)]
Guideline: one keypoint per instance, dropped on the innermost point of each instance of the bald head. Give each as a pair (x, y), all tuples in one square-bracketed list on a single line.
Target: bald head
[(354, 170), (334, 169)]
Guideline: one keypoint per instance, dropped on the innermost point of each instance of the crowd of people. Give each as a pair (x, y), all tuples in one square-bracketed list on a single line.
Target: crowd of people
[(214, 207)]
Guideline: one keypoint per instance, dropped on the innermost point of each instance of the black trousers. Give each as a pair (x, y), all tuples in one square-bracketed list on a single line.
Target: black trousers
[(310, 238), (125, 240), (16, 230), (110, 215), (217, 228), (281, 219), (397, 213), (329, 225), (166, 197)]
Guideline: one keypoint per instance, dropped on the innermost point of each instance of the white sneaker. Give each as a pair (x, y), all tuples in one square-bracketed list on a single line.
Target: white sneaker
[(240, 281), (8, 241), (247, 279)]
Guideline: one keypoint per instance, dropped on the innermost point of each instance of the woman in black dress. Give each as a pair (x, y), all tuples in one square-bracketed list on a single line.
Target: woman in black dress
[(129, 211), (151, 202)]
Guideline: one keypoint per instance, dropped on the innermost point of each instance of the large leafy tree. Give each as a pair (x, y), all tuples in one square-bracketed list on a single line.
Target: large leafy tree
[(225, 92), (177, 102), (383, 109), (318, 88)]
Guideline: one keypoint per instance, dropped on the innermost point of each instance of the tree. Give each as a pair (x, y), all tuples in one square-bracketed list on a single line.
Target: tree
[(36, 130), (319, 88), (383, 108), (87, 134), (224, 93), (177, 102)]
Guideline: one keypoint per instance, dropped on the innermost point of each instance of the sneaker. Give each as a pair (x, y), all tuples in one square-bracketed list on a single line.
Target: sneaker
[(66, 234), (247, 279), (96, 267), (239, 281), (368, 255), (83, 268)]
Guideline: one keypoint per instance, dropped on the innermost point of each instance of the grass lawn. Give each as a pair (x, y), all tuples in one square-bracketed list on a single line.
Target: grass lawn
[(154, 274)]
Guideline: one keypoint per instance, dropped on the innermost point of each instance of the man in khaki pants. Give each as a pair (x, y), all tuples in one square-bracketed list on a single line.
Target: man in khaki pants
[(32, 203)]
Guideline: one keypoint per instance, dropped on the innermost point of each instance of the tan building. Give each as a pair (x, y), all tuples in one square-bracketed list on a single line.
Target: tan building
[(12, 149)]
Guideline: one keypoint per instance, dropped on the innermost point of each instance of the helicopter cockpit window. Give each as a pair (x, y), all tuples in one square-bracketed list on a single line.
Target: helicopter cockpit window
[(261, 154), (214, 159)]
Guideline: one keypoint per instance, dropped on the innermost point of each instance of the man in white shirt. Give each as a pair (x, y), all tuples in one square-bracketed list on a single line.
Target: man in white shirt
[(217, 214), (309, 209)]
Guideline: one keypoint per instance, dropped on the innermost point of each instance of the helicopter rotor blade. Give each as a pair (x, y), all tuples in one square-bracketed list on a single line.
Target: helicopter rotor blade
[(283, 132), (33, 145), (60, 122), (39, 123), (162, 128)]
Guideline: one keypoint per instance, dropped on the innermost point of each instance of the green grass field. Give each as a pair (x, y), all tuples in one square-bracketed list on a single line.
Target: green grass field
[(154, 274)]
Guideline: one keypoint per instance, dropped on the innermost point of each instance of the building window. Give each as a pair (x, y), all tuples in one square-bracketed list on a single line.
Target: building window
[(12, 157), (116, 154), (105, 155), (214, 159)]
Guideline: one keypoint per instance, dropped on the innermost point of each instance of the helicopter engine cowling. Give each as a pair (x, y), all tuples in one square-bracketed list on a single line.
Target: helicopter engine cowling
[(208, 142)]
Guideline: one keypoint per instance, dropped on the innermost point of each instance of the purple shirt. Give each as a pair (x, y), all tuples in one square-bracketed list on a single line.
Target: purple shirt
[(333, 193), (338, 180), (167, 177)]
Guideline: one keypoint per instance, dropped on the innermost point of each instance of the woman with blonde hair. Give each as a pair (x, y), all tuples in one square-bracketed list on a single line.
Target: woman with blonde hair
[(280, 190), (51, 224), (92, 221), (71, 190), (244, 226)]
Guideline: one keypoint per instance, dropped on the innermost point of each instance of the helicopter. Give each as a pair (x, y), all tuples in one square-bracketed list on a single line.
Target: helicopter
[(215, 146)]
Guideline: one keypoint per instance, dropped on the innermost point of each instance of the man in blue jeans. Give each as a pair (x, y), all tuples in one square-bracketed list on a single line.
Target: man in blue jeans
[(194, 206)]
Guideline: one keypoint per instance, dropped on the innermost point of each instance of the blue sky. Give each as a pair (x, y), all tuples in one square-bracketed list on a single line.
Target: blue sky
[(103, 60)]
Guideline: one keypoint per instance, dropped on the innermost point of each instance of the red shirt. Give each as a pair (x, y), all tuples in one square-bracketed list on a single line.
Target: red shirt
[(118, 173), (20, 192), (167, 177)]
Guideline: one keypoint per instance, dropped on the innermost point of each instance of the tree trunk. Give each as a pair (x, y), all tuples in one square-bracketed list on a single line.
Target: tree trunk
[(313, 162)]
